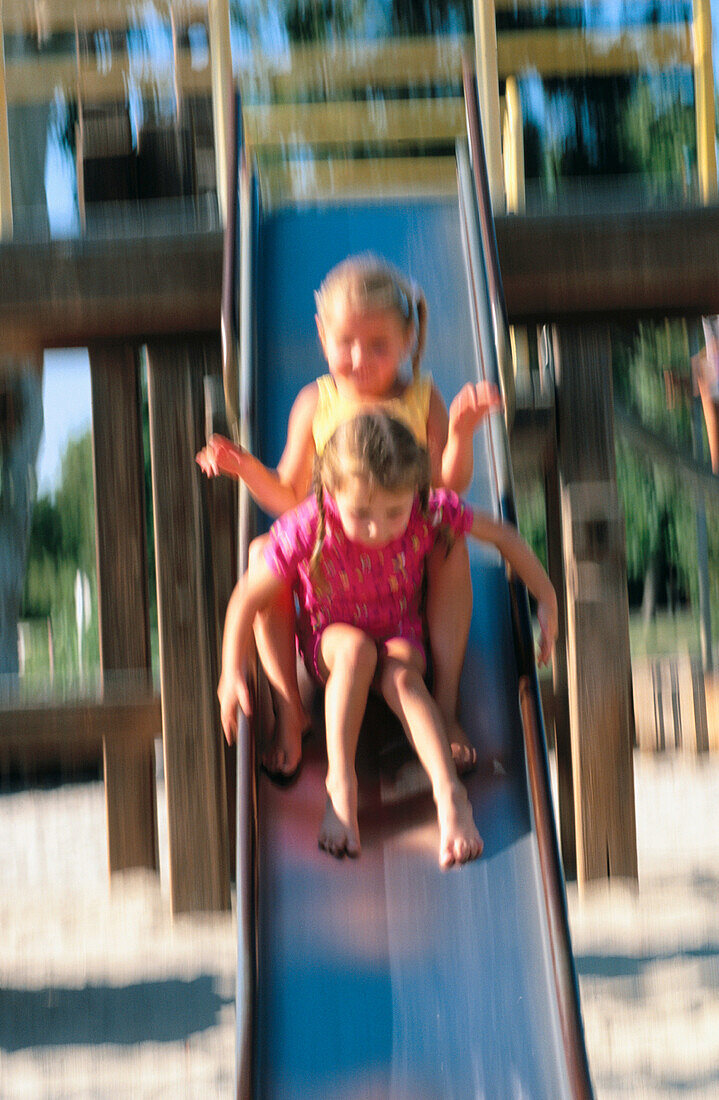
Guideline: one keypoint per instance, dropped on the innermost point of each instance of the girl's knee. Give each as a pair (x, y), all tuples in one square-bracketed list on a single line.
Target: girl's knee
[(354, 651)]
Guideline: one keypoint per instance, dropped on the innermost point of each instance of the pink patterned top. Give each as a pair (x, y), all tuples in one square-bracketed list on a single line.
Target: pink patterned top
[(375, 589)]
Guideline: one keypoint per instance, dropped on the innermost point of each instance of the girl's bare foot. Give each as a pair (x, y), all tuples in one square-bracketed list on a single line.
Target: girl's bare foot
[(459, 841), (463, 751), (283, 755), (339, 831)]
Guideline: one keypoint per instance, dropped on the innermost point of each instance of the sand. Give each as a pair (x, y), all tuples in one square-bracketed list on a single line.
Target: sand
[(103, 995)]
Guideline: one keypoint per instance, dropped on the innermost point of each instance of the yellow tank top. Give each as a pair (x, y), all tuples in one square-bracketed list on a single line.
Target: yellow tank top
[(411, 408)]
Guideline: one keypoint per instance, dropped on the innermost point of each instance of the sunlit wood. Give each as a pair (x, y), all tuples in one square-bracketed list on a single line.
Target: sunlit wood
[(704, 99), (573, 52), (57, 16), (347, 179), (397, 121)]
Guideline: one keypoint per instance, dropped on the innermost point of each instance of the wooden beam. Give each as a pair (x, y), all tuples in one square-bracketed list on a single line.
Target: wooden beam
[(192, 737), (598, 659), (618, 265), (38, 733), (585, 52), (554, 268), (130, 798), (400, 122), (69, 293), (356, 179)]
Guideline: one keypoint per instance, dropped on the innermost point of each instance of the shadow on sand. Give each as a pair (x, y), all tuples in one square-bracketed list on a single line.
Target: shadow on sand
[(155, 1011)]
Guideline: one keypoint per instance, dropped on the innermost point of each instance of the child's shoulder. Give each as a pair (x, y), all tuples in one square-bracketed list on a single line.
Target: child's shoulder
[(306, 400), (297, 528)]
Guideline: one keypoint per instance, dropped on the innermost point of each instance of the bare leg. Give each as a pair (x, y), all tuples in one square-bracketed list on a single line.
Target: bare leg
[(449, 610), (275, 639), (403, 686), (350, 659)]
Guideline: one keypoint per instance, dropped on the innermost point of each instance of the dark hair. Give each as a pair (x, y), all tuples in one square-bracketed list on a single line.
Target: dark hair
[(377, 448)]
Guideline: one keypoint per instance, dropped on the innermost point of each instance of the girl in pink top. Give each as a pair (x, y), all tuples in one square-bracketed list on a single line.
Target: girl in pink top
[(355, 557), (370, 321)]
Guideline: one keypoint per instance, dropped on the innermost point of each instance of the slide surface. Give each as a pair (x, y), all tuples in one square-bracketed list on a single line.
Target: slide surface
[(385, 977)]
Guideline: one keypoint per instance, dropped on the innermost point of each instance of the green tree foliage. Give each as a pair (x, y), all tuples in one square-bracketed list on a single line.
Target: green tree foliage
[(62, 541), (660, 528), (658, 128)]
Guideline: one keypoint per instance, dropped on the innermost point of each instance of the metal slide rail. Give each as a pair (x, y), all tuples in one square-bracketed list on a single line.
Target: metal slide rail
[(238, 309), (483, 267)]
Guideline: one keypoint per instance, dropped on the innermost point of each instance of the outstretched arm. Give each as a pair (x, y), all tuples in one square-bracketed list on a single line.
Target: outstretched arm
[(528, 567), (276, 491), (254, 591), (470, 407)]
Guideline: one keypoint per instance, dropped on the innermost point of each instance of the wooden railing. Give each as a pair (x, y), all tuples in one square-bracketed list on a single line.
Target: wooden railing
[(326, 98)]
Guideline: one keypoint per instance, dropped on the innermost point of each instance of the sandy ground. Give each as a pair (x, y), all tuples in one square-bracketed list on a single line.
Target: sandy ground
[(102, 995)]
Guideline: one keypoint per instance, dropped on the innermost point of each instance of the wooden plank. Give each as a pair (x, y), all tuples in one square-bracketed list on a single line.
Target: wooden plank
[(582, 52), (598, 660), (37, 731), (68, 293), (130, 800), (340, 66), (194, 767), (325, 124), (621, 264), (655, 263), (357, 179), (59, 15), (560, 679)]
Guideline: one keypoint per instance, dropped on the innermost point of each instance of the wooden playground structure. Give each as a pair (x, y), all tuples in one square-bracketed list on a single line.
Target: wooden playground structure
[(125, 296)]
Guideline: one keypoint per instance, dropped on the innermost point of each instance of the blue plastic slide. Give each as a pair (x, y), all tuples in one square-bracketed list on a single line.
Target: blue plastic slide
[(384, 977)]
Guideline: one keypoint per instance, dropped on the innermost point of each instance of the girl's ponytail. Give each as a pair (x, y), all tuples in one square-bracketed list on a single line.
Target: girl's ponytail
[(319, 492), (420, 306)]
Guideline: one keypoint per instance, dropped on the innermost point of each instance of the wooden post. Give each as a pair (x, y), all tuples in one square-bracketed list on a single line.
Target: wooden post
[(5, 189), (598, 658), (562, 726), (704, 99), (130, 797), (485, 32), (194, 766)]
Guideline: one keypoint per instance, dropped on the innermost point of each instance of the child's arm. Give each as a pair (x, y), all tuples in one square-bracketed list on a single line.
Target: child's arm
[(450, 438), (276, 491), (528, 567), (253, 592), (469, 408)]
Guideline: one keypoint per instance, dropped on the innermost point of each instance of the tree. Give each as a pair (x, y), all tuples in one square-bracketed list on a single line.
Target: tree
[(20, 432)]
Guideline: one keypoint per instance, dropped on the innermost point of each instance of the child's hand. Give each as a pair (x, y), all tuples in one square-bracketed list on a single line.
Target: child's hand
[(220, 456), (548, 617), (472, 405), (233, 691)]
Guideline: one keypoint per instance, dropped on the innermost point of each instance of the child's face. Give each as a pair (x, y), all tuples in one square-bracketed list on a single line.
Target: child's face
[(364, 347), (371, 516)]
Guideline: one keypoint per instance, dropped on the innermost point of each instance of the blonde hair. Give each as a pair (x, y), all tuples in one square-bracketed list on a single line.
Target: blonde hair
[(369, 282), (380, 450)]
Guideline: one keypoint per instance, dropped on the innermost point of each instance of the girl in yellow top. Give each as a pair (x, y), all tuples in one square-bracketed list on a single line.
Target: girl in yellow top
[(369, 320)]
